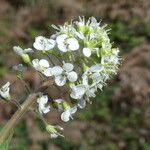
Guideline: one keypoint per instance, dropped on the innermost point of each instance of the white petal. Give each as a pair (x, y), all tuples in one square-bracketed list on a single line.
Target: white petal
[(61, 38), (4, 91), (81, 103), (68, 67), (62, 47), (44, 63), (65, 116), (73, 110), (42, 102), (50, 44), (53, 135), (48, 72), (72, 76), (42, 43), (39, 43), (58, 100), (73, 44), (46, 109), (59, 127), (87, 52), (96, 68), (56, 71), (28, 50), (43, 99), (6, 85), (60, 42), (18, 50), (93, 19), (96, 77), (60, 80), (85, 79), (80, 35), (78, 91), (91, 92), (35, 63)]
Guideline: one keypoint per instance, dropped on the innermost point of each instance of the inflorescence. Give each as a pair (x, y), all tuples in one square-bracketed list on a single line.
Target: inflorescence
[(85, 58)]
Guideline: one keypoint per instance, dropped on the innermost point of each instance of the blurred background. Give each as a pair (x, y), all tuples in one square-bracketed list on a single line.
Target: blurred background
[(119, 118)]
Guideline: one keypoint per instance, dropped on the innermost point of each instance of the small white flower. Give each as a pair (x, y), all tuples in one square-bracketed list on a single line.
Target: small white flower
[(43, 44), (80, 35), (57, 70), (63, 73), (4, 91), (88, 51), (42, 66), (18, 50), (90, 90), (53, 132), (110, 59), (67, 114), (42, 101), (78, 91), (19, 68), (96, 68), (65, 44), (94, 23)]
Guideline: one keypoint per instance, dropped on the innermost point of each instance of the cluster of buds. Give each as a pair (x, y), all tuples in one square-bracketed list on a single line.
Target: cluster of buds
[(85, 60)]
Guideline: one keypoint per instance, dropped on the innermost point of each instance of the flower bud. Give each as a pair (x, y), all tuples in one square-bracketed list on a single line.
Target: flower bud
[(26, 58), (65, 105), (50, 129)]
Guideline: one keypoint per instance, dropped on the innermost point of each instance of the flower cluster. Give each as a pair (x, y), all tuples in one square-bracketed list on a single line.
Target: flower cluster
[(87, 59)]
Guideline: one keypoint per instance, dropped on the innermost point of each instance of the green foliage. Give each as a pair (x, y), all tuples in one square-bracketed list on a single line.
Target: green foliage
[(5, 145), (23, 142), (64, 144), (129, 35)]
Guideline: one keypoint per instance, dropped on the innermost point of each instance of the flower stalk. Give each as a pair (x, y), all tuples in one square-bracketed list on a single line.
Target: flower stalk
[(4, 134), (28, 103)]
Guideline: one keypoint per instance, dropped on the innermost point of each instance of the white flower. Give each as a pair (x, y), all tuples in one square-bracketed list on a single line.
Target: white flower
[(80, 35), (23, 53), (89, 89), (42, 66), (96, 68), (20, 68), (110, 59), (78, 91), (43, 44), (94, 22), (67, 114), (88, 51), (4, 91), (42, 101), (18, 50), (64, 73), (65, 44), (53, 132)]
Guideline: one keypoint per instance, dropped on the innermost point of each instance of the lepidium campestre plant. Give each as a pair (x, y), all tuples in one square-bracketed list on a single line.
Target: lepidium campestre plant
[(78, 57)]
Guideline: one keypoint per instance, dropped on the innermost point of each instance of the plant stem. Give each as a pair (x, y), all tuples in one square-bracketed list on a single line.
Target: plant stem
[(4, 134), (7, 129)]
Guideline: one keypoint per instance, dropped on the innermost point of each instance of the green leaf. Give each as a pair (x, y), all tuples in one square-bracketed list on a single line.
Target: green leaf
[(5, 145)]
